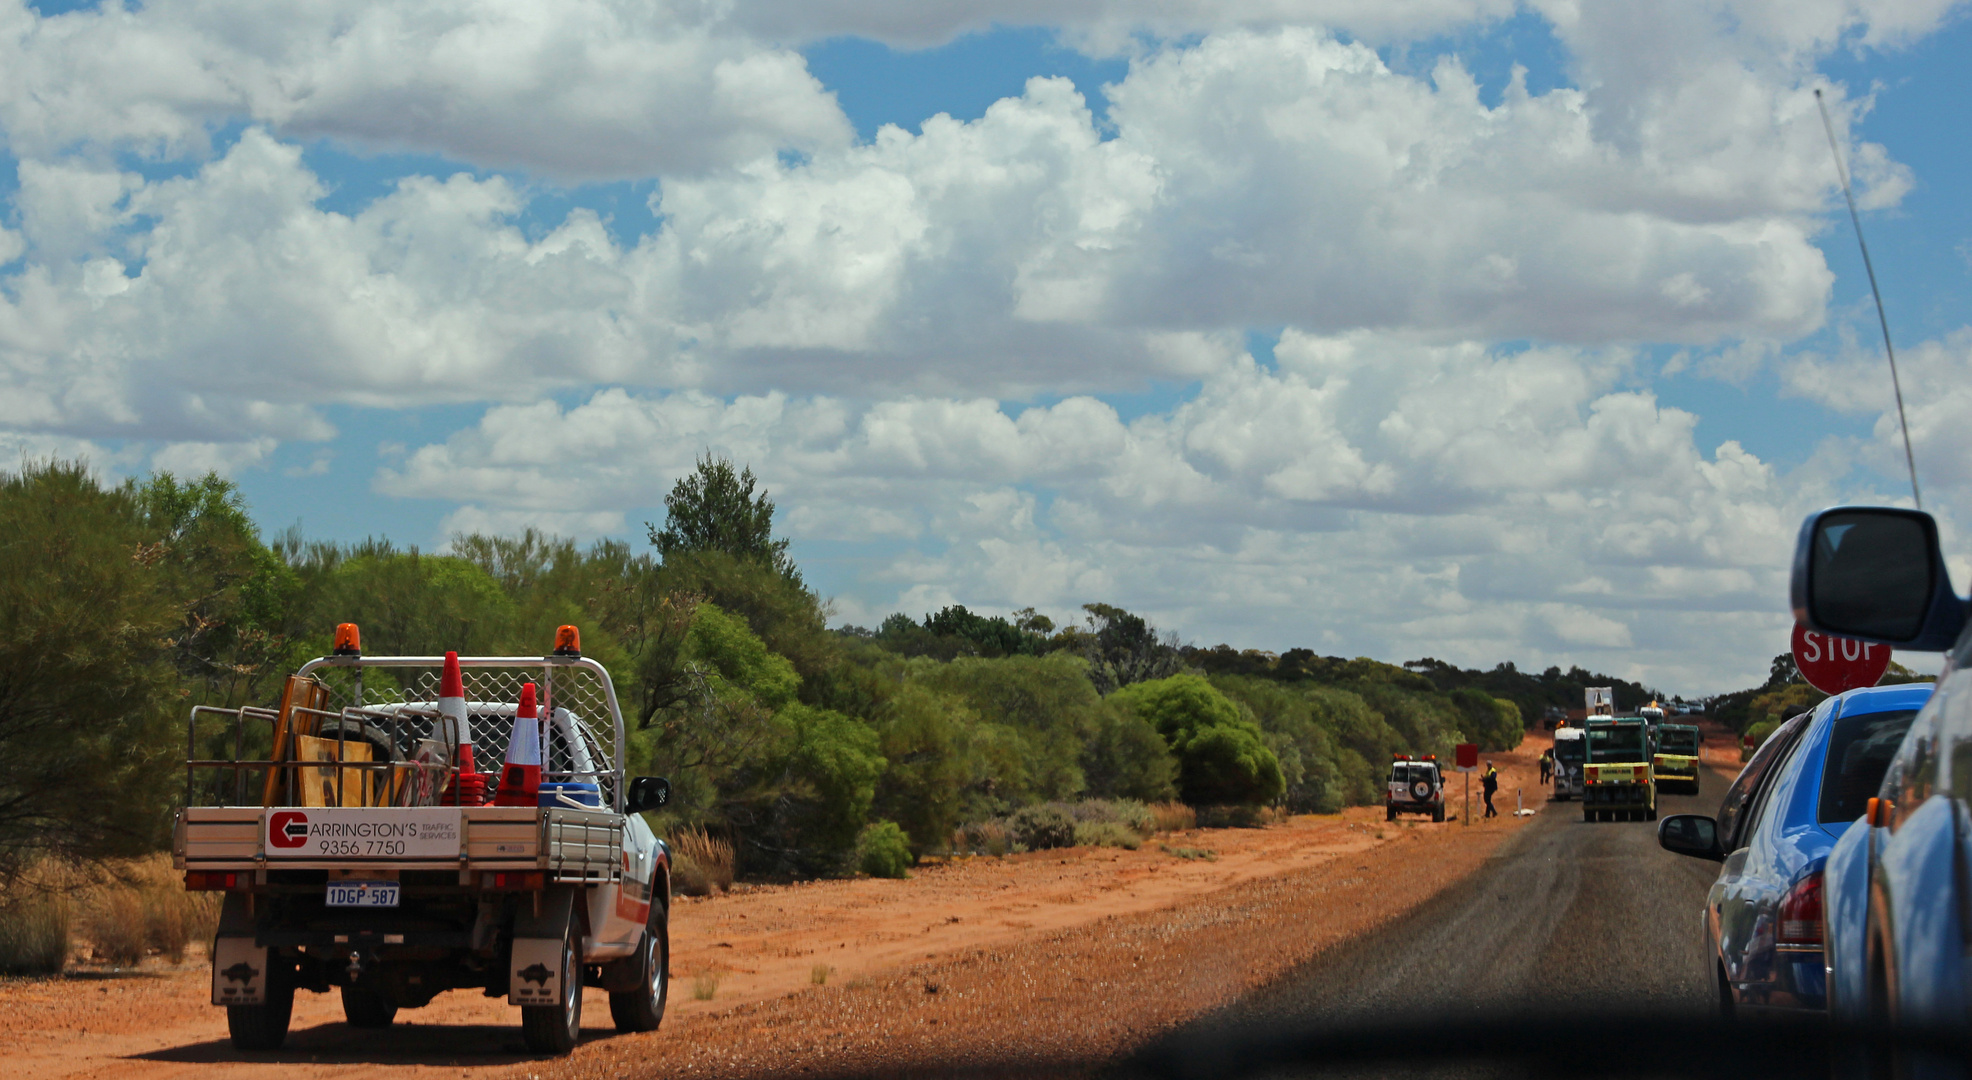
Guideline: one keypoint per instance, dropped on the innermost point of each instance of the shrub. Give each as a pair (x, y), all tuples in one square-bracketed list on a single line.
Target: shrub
[(983, 838), (884, 851), (1106, 834), (34, 928), (1040, 827), (1126, 758), (1173, 817), (1221, 755), (700, 863)]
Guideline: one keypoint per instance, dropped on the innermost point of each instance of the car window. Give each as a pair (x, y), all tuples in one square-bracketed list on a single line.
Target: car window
[(1860, 747), (1733, 819)]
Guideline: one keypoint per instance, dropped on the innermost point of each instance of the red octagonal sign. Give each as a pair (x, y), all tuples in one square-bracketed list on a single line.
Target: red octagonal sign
[(1834, 664)]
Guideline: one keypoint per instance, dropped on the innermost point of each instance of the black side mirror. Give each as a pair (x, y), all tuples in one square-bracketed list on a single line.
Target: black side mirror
[(647, 793), (1690, 834), (1875, 574)]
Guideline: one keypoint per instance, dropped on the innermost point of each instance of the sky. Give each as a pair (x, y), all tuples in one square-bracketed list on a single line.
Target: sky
[(1476, 329)]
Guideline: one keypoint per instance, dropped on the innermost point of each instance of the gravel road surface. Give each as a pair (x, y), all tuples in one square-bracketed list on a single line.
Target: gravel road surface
[(1566, 919)]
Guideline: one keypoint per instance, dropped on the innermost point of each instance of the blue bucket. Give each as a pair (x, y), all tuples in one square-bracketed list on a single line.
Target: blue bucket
[(562, 794)]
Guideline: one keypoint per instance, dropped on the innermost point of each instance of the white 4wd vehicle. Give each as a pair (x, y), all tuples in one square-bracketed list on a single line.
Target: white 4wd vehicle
[(1416, 787), (359, 849)]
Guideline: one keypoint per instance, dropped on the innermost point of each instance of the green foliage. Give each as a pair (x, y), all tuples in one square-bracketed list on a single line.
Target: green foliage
[(412, 604), (1046, 709), (930, 741), (1492, 723), (738, 661), (1125, 758), (883, 851), (89, 732), (1123, 649), (1222, 756), (827, 781), (1041, 826), (715, 509)]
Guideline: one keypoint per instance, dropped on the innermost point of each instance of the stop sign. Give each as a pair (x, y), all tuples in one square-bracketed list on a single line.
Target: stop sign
[(1834, 664)]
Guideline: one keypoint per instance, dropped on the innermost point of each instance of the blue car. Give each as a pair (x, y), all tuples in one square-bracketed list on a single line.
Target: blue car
[(1776, 825), (1899, 887)]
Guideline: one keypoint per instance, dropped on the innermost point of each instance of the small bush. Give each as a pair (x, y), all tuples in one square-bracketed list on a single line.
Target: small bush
[(1124, 813), (1236, 816), (1173, 817), (34, 930), (701, 864), (115, 924), (983, 838), (819, 974), (1107, 834), (1042, 826), (884, 851), (705, 985)]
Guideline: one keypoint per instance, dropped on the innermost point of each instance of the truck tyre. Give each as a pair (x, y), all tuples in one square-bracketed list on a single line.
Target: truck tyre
[(554, 1029), (265, 1026), (1438, 814), (1587, 814), (363, 1007), (642, 1009)]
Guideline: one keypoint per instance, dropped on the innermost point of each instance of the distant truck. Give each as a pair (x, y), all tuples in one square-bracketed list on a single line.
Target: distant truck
[(1416, 786), (358, 847), (1617, 782), (1570, 749), (1676, 760)]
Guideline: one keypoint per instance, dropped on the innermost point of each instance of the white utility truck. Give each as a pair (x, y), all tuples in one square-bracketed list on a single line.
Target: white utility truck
[(359, 848)]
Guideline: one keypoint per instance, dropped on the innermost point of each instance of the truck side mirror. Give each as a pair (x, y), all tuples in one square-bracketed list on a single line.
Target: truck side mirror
[(647, 793), (1690, 834), (1875, 574)]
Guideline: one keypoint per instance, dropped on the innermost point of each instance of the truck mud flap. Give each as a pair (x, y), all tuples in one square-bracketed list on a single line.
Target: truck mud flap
[(535, 974), (239, 972)]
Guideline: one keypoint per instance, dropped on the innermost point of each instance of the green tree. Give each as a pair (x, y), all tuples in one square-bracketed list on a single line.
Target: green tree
[(1123, 649), (412, 604), (1222, 756), (1125, 758), (715, 508), (90, 728)]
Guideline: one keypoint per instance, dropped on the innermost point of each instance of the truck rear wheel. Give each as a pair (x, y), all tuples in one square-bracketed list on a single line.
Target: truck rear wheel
[(554, 1029), (265, 1026), (363, 1007), (642, 1009)]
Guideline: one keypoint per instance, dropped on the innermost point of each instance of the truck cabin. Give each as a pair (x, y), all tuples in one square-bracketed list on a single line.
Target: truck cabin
[(1569, 746), (1679, 739), (1617, 741)]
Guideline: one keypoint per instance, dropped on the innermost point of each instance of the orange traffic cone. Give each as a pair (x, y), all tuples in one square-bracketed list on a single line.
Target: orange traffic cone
[(520, 781), (468, 786)]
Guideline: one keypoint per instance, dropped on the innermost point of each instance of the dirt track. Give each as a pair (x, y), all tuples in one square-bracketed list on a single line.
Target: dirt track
[(1072, 953)]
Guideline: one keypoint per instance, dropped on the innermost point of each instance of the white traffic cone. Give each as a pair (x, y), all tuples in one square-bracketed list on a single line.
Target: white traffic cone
[(454, 728), (520, 780)]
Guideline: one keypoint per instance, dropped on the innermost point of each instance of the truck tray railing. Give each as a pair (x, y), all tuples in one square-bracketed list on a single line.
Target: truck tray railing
[(391, 721)]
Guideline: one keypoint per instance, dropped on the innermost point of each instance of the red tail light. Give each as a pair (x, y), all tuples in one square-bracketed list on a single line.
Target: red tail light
[(213, 880), (1800, 913)]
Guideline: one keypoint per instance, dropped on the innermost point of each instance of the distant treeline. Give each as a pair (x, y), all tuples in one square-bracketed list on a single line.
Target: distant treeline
[(122, 606)]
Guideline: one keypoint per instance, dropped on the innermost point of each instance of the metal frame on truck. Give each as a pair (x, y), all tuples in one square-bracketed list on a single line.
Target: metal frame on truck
[(334, 824)]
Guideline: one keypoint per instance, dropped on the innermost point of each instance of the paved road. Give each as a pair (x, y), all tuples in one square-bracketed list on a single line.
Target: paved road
[(1564, 912), (1566, 919)]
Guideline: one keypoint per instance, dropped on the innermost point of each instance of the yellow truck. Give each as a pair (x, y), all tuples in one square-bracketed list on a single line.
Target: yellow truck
[(1675, 761), (1617, 780)]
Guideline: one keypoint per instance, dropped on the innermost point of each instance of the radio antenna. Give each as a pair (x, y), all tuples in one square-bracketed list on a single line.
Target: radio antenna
[(1842, 174)]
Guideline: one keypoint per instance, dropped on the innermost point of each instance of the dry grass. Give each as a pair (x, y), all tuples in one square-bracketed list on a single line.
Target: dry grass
[(705, 985), (132, 910), (34, 922), (819, 974), (121, 914), (701, 864), (1173, 817), (982, 838)]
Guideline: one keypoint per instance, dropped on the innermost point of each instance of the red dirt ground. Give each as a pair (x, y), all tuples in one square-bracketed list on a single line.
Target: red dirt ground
[(1078, 953)]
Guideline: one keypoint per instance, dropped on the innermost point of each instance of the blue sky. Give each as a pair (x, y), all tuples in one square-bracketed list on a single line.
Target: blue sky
[(1380, 461)]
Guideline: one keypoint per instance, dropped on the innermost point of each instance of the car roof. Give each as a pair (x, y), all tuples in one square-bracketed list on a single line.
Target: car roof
[(1871, 699)]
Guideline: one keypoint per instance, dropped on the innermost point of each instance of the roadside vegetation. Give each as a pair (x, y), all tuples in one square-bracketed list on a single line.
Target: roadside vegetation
[(794, 749)]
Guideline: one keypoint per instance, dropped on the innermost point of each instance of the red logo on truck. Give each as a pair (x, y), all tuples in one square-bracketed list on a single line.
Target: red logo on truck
[(287, 829)]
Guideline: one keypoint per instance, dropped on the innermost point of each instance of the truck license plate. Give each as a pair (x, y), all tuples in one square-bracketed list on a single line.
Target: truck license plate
[(362, 894)]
